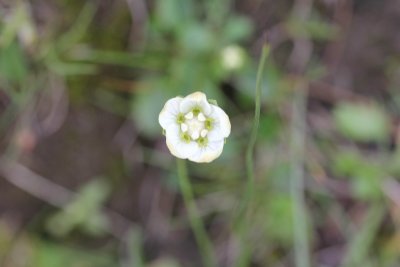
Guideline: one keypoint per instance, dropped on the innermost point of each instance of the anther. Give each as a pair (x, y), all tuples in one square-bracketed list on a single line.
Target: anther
[(195, 135), (184, 127), (201, 117), (189, 116)]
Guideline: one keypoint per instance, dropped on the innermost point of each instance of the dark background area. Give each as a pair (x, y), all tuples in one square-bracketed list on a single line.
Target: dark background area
[(86, 179)]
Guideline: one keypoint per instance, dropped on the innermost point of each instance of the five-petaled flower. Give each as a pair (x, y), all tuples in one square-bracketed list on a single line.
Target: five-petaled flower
[(194, 128)]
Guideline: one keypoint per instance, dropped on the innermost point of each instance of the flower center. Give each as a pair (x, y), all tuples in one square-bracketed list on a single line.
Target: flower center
[(195, 125), (194, 128)]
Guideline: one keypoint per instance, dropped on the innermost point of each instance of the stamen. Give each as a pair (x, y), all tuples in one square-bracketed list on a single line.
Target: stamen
[(201, 117), (180, 118), (203, 133), (202, 142), (189, 116), (184, 127), (185, 138), (208, 124), (196, 111)]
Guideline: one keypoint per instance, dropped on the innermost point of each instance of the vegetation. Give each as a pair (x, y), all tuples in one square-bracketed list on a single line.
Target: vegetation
[(308, 177)]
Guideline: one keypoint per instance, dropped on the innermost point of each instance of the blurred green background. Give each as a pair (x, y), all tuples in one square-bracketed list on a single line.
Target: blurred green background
[(86, 179)]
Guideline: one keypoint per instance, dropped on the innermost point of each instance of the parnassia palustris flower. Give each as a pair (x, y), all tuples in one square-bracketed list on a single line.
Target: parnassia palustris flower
[(194, 128)]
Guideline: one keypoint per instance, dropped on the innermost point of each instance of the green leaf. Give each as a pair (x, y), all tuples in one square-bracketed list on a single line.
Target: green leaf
[(83, 212), (279, 218), (365, 174), (362, 122), (237, 29), (346, 163), (313, 28), (78, 30), (134, 243), (13, 66), (366, 184), (146, 107), (6, 238), (18, 17), (213, 102), (197, 38), (171, 13), (270, 126), (50, 255)]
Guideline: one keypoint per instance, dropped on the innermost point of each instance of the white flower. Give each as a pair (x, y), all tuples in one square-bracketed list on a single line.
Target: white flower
[(232, 57), (194, 128)]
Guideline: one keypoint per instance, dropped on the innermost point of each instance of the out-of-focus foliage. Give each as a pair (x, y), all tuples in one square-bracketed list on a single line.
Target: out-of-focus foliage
[(191, 50), (92, 185), (366, 175), (12, 63), (362, 122), (84, 211)]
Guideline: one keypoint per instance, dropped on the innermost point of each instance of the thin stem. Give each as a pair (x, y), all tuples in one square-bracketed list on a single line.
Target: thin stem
[(300, 229), (357, 253), (245, 208), (256, 124), (196, 224)]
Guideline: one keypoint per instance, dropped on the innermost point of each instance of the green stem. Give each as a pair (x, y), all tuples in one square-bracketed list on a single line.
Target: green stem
[(357, 253), (196, 223), (297, 149), (245, 208), (256, 125)]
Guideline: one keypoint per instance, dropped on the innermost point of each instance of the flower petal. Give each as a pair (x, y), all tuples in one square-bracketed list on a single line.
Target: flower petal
[(176, 146), (196, 99), (221, 127), (207, 154), (169, 113)]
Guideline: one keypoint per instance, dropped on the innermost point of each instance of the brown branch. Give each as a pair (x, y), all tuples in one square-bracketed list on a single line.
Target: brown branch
[(54, 194)]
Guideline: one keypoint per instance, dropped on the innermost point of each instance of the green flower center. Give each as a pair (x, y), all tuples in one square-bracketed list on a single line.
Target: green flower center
[(202, 141), (185, 137), (196, 111), (180, 118), (194, 126), (208, 124)]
